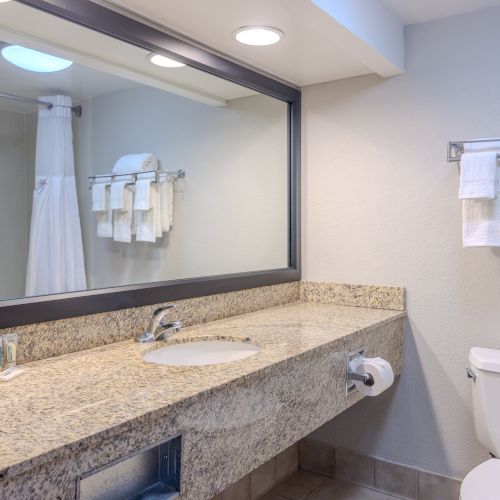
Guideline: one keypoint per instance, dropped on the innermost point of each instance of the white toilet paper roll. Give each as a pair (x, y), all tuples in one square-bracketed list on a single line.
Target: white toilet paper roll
[(379, 369)]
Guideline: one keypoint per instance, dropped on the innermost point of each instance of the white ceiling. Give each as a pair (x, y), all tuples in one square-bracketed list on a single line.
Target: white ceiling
[(314, 49), (417, 11), (310, 52)]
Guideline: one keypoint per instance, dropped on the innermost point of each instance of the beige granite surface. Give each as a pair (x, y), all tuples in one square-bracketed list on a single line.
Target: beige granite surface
[(374, 296), (79, 411), (54, 338)]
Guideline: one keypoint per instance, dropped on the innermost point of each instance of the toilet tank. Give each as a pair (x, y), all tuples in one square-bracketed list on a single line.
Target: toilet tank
[(485, 366)]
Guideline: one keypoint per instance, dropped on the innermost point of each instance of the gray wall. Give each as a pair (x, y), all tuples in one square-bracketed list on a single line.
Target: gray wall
[(381, 207), (13, 205), (230, 211)]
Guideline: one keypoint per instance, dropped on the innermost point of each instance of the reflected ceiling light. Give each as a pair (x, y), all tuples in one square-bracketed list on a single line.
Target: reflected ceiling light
[(3, 1), (33, 60), (165, 62), (258, 35)]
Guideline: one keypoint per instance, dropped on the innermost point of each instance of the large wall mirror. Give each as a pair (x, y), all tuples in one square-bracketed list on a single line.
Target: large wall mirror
[(134, 167)]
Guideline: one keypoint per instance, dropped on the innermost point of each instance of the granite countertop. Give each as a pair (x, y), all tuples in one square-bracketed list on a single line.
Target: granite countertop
[(63, 403)]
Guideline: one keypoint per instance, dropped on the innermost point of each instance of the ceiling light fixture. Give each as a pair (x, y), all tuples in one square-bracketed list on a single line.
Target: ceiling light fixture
[(258, 35), (33, 60), (165, 62)]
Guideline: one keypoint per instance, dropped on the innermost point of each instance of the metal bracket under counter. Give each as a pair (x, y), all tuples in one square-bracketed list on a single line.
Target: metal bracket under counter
[(152, 472), (350, 386)]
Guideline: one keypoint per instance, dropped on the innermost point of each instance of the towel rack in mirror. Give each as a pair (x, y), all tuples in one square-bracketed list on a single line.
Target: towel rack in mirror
[(179, 174)]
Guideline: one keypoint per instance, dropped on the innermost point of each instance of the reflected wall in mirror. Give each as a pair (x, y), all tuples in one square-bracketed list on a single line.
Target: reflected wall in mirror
[(75, 210)]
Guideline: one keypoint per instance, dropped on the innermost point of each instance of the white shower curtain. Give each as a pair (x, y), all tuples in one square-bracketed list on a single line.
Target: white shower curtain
[(55, 260)]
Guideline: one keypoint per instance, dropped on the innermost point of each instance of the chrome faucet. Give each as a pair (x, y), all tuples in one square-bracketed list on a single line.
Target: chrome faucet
[(157, 328)]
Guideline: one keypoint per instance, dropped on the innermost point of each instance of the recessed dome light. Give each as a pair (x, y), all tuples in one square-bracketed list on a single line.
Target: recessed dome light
[(165, 62), (258, 35), (33, 60)]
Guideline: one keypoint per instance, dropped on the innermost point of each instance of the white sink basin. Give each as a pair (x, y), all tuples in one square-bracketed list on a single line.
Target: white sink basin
[(205, 352)]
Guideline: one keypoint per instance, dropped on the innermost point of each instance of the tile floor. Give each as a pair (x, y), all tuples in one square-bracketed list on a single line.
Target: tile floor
[(310, 486)]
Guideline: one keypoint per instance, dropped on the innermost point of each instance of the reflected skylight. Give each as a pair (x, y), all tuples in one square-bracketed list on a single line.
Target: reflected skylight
[(33, 60)]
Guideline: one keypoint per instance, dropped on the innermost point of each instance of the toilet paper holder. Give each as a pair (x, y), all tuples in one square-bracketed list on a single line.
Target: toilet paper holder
[(351, 376), (366, 378)]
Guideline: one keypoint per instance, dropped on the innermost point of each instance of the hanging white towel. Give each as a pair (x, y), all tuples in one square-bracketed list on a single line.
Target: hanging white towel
[(481, 217), (122, 219), (100, 205), (146, 220), (481, 222), (135, 163), (99, 197), (104, 217), (170, 189), (158, 218), (142, 199), (105, 222), (117, 195), (478, 175), (55, 260), (165, 202)]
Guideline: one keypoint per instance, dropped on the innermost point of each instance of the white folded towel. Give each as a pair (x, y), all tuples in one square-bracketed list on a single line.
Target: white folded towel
[(170, 201), (117, 195), (135, 163), (165, 201), (142, 200), (158, 217), (481, 222), (167, 188), (146, 222), (105, 220), (478, 175), (99, 198), (122, 219), (100, 205), (105, 224), (481, 216)]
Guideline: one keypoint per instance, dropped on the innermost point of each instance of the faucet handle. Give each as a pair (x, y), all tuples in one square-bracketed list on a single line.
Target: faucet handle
[(164, 308), (156, 322)]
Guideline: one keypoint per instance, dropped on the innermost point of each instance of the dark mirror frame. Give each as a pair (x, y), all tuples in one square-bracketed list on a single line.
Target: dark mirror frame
[(51, 307)]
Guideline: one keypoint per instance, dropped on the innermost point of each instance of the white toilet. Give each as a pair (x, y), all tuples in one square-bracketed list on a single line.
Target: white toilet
[(483, 482)]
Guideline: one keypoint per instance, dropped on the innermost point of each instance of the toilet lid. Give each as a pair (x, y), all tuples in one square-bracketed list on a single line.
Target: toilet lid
[(483, 482)]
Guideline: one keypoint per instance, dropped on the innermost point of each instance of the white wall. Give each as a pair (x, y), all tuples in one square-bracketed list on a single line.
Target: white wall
[(13, 205), (230, 213), (381, 207)]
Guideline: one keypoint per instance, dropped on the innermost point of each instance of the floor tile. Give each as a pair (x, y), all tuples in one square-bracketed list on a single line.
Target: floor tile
[(263, 478), (271, 496), (333, 489), (396, 479), (239, 490), (298, 485), (434, 487), (316, 457), (287, 461), (353, 467)]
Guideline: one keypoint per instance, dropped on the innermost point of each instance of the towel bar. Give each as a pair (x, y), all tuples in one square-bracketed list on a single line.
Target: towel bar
[(179, 174), (456, 148)]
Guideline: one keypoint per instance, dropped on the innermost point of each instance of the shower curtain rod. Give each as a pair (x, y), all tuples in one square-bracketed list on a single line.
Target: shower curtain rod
[(77, 110)]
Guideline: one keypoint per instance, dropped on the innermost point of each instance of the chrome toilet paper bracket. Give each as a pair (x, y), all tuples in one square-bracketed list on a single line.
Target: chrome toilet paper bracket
[(350, 376), (366, 378), (370, 376)]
